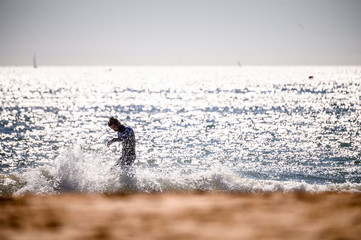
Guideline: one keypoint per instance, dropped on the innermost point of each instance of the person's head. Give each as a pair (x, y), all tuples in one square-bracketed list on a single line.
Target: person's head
[(114, 124)]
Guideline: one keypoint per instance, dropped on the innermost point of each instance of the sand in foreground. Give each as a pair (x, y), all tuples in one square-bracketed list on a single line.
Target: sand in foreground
[(182, 216)]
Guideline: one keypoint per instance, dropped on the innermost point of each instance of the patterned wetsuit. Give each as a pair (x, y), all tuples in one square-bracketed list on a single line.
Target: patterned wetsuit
[(126, 135)]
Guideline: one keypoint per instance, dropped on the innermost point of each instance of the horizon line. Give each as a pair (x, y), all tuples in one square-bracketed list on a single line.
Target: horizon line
[(173, 65)]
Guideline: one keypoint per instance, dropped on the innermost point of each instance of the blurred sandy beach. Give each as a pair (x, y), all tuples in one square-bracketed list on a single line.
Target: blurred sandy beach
[(182, 216)]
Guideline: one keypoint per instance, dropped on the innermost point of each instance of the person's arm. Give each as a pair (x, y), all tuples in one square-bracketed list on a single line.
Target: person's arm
[(121, 136)]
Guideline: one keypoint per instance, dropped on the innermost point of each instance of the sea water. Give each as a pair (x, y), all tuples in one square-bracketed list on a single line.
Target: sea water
[(198, 128)]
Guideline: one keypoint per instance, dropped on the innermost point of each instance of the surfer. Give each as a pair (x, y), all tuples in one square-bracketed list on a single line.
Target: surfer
[(125, 135)]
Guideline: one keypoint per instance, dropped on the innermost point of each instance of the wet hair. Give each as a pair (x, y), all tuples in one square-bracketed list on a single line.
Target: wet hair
[(112, 121)]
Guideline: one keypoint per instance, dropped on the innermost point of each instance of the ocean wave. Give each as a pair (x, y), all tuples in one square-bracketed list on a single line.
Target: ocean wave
[(75, 171)]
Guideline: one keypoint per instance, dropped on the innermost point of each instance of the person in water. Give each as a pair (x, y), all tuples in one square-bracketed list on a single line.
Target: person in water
[(125, 135)]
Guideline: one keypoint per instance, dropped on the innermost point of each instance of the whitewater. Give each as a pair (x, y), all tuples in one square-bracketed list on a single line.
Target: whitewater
[(249, 129)]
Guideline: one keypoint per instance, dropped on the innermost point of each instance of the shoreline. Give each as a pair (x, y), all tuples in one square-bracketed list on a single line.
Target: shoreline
[(298, 215)]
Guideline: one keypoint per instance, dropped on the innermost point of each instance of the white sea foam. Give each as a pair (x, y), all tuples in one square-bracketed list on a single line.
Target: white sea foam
[(76, 171)]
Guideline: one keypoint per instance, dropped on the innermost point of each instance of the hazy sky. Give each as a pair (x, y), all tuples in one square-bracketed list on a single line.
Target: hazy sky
[(106, 32)]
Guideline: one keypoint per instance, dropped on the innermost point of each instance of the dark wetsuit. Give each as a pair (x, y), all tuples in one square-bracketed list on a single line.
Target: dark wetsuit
[(126, 135)]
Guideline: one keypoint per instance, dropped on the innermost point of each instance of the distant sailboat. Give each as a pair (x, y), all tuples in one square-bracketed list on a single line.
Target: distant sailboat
[(34, 62), (239, 63)]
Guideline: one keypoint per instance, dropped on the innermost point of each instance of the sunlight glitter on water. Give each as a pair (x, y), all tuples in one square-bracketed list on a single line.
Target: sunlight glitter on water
[(262, 123)]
